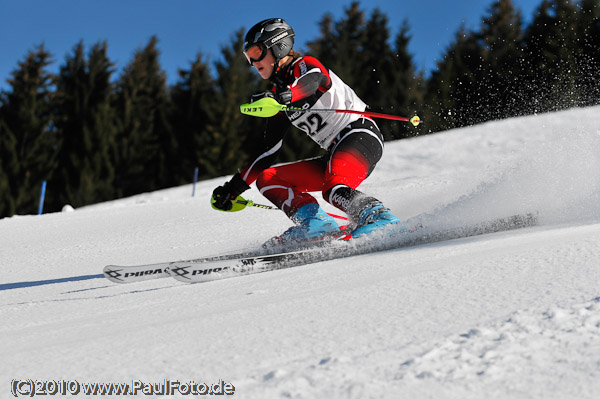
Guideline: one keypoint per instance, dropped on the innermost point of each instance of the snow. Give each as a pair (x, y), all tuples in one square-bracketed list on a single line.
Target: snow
[(507, 315)]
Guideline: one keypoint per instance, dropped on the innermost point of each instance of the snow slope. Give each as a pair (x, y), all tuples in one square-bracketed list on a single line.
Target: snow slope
[(508, 315)]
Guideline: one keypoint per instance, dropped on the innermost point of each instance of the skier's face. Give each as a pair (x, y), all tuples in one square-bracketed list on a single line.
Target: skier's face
[(265, 66)]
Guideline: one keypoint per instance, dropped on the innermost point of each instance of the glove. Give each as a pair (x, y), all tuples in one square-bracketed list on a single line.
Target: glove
[(285, 96), (223, 195), (262, 94)]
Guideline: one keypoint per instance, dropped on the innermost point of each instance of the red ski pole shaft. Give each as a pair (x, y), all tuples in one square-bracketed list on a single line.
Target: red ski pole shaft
[(373, 114), (415, 120)]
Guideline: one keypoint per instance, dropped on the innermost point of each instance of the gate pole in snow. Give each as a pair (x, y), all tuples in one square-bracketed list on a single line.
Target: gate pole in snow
[(195, 179), (42, 196)]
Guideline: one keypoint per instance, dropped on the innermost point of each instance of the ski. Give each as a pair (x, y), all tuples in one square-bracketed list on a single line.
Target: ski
[(193, 272), (133, 274), (391, 238), (262, 260)]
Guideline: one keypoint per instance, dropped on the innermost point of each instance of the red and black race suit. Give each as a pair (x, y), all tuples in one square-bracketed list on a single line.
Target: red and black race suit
[(354, 144)]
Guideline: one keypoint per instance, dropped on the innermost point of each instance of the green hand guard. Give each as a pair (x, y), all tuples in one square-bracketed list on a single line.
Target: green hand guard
[(238, 204), (266, 107)]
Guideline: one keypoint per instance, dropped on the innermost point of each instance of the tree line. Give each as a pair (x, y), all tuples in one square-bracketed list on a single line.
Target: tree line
[(95, 136)]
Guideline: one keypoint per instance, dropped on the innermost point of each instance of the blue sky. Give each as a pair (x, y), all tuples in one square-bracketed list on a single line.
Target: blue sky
[(187, 27)]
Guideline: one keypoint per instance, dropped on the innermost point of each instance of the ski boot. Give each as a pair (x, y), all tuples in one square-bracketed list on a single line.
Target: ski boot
[(312, 224), (373, 217)]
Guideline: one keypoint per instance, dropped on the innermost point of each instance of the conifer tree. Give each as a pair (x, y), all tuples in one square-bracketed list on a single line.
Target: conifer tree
[(451, 91), (501, 35), (28, 141), (85, 122), (374, 69), (358, 50), (324, 47), (407, 86), (588, 52), (145, 143), (386, 78), (194, 116), (350, 46), (9, 166), (551, 44), (341, 46)]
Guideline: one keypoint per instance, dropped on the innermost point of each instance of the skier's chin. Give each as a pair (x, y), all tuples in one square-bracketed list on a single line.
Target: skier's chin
[(262, 71)]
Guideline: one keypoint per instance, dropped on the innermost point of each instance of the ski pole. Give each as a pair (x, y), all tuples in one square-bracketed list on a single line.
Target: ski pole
[(240, 203), (267, 107), (252, 203), (245, 202)]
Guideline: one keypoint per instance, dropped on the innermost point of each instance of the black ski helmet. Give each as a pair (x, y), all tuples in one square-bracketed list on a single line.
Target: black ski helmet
[(272, 33)]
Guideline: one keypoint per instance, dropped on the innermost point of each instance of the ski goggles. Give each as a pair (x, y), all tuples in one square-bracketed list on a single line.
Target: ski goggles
[(255, 53)]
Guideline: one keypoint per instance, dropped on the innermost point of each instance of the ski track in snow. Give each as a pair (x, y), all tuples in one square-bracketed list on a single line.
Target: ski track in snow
[(509, 315)]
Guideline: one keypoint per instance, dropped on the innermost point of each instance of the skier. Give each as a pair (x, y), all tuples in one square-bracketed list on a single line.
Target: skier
[(353, 142)]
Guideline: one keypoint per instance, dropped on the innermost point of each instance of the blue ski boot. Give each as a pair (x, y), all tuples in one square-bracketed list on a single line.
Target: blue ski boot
[(312, 224), (372, 218)]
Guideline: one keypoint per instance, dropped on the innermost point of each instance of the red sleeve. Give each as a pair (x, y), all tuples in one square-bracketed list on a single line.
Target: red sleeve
[(310, 77)]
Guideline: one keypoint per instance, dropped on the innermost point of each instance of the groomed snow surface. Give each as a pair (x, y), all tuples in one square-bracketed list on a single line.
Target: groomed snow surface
[(507, 315)]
